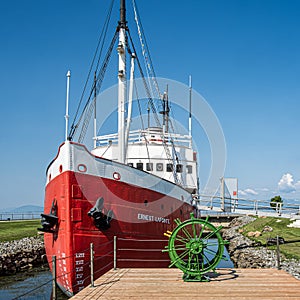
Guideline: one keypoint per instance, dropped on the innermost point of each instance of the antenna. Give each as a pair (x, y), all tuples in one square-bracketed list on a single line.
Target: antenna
[(67, 105), (190, 109)]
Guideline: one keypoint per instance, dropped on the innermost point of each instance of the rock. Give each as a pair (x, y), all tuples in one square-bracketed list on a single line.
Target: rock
[(254, 234), (267, 229), (19, 255), (245, 253)]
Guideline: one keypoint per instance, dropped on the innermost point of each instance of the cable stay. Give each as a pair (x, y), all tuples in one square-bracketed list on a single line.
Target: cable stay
[(101, 42), (89, 107)]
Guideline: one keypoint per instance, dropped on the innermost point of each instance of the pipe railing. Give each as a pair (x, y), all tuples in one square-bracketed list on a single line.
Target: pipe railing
[(10, 216), (245, 206)]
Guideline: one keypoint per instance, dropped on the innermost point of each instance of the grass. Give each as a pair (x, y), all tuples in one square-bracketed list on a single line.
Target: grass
[(291, 247), (15, 230)]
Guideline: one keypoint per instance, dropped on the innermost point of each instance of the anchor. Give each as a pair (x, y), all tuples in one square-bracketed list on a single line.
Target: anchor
[(50, 221), (101, 220)]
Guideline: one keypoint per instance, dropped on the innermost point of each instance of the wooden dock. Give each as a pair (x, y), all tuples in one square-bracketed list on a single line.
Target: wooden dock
[(167, 284)]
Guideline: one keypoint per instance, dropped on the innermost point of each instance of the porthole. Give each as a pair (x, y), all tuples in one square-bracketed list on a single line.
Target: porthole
[(159, 167), (146, 202), (116, 176), (149, 166), (82, 168), (189, 169), (49, 177), (60, 168), (162, 206), (170, 167), (140, 166), (179, 168)]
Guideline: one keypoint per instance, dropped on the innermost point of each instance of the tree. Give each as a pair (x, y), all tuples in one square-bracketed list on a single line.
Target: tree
[(274, 200)]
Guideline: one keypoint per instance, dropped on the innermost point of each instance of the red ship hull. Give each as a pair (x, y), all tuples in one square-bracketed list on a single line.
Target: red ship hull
[(140, 216)]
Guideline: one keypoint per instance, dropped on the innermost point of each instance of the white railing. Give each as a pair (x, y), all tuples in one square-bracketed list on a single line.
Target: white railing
[(10, 216), (142, 136), (247, 206)]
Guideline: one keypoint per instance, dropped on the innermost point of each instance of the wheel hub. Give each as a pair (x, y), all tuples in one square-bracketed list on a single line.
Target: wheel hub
[(195, 246)]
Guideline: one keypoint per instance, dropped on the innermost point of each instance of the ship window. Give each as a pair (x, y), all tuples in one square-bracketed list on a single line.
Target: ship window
[(149, 166), (179, 168), (162, 206), (146, 202), (159, 167), (189, 169), (130, 165), (169, 167), (139, 166)]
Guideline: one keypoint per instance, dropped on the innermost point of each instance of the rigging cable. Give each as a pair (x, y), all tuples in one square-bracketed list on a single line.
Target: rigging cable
[(142, 121), (150, 101), (145, 50), (89, 106), (74, 127)]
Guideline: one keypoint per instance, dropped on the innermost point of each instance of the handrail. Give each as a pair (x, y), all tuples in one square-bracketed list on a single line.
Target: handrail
[(244, 206), (10, 216), (140, 136)]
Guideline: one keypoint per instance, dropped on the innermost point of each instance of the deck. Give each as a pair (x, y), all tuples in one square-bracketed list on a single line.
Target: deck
[(167, 284)]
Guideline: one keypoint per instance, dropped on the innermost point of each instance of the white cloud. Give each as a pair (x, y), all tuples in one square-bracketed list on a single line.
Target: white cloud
[(251, 192), (242, 193), (286, 183), (247, 192)]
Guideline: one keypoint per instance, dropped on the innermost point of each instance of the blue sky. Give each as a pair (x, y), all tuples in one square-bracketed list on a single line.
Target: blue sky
[(244, 57)]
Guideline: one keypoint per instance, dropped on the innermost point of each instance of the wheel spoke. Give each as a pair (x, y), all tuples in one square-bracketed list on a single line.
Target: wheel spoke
[(178, 249), (179, 258), (211, 251), (181, 239), (201, 231), (208, 261), (186, 233), (212, 243), (212, 233), (194, 230)]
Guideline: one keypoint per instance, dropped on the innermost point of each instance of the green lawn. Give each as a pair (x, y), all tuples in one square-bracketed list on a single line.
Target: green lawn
[(291, 247), (15, 230)]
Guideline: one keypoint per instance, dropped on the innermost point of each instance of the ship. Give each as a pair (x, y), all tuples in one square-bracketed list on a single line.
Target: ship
[(128, 187)]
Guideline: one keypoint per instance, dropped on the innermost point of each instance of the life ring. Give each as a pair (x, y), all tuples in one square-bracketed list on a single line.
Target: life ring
[(116, 176)]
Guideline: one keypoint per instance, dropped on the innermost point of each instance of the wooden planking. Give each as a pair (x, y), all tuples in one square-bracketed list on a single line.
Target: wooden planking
[(167, 284)]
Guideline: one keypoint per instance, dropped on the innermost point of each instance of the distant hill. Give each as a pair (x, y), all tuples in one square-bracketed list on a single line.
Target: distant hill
[(23, 209)]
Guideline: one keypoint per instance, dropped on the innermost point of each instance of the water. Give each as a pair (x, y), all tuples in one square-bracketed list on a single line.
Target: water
[(34, 285), (225, 264)]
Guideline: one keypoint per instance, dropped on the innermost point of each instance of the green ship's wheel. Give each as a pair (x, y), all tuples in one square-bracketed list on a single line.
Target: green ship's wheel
[(195, 247)]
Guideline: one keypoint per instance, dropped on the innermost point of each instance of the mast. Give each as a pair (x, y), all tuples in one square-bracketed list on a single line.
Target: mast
[(122, 81), (130, 98), (95, 111), (67, 105), (165, 111)]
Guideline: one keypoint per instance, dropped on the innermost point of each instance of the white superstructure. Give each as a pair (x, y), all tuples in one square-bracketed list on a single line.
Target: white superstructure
[(146, 151)]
